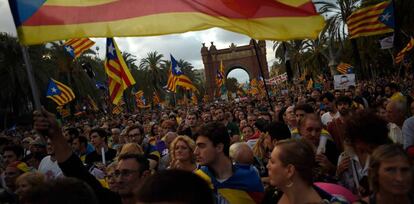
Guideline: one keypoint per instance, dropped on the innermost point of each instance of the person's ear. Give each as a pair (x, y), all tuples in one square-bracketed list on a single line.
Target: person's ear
[(220, 147), (290, 171)]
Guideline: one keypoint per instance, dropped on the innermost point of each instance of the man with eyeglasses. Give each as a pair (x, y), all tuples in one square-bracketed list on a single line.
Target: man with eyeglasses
[(129, 174)]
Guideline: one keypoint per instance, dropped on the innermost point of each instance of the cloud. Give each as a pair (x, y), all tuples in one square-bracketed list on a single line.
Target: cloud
[(6, 20)]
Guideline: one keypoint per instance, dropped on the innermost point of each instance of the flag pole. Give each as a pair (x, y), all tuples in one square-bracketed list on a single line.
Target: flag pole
[(261, 72), (30, 76)]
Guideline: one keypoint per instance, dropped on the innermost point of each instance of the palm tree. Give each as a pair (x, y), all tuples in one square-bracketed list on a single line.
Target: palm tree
[(294, 50), (337, 13), (151, 67)]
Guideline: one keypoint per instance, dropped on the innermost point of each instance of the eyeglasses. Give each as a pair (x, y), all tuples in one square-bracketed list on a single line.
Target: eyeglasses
[(124, 173), (134, 135)]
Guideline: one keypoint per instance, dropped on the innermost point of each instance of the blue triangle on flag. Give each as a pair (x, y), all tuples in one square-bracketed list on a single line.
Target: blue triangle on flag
[(52, 89), (387, 16)]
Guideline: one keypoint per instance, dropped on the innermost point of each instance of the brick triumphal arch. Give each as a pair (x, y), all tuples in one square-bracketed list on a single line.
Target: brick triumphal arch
[(243, 57)]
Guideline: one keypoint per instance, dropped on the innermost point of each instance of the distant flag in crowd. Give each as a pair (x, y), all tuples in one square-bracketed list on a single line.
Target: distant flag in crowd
[(344, 68), (118, 108), (39, 21), (155, 98), (140, 99), (93, 104), (59, 92), (220, 79), (371, 20), (177, 78), (194, 99), (101, 85), (172, 82), (309, 86), (75, 47), (119, 77), (407, 48)]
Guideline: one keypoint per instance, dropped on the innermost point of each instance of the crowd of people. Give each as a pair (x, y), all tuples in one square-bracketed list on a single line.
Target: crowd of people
[(306, 146)]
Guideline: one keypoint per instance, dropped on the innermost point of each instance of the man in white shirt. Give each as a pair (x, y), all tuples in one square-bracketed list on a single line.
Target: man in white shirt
[(328, 100), (395, 117), (49, 166)]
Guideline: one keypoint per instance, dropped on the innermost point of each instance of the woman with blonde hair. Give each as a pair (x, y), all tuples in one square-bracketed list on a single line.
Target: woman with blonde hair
[(182, 154), (390, 176), (27, 181), (131, 148)]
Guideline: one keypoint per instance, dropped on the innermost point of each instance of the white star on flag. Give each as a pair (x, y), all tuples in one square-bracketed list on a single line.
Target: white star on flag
[(111, 49), (68, 49), (178, 69), (386, 17), (54, 90)]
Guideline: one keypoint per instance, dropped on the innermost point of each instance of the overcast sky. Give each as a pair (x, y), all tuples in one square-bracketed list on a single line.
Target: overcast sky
[(182, 46)]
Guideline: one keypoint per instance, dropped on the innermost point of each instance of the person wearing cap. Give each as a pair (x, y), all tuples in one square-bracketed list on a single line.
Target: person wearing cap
[(12, 172)]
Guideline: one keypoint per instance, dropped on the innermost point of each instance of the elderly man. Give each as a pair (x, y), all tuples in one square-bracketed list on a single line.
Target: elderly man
[(395, 117)]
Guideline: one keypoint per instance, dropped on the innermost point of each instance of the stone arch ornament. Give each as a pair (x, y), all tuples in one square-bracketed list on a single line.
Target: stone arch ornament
[(243, 57)]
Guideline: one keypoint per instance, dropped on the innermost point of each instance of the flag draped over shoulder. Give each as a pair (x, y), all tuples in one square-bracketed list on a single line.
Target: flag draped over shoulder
[(371, 20), (344, 68), (75, 47), (59, 92), (39, 21), (119, 77), (400, 56)]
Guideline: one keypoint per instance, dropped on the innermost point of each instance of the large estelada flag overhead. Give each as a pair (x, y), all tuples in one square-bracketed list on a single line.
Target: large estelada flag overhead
[(371, 20), (59, 92), (39, 21), (119, 77)]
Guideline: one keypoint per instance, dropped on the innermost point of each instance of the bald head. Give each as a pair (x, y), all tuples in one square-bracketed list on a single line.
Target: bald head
[(241, 153), (396, 112)]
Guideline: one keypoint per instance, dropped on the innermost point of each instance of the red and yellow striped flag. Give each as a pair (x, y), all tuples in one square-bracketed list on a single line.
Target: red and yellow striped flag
[(75, 47), (367, 22), (119, 77), (39, 21), (344, 68), (155, 98), (407, 48)]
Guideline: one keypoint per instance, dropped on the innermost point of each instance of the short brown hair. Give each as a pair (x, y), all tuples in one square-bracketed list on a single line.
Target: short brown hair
[(300, 154)]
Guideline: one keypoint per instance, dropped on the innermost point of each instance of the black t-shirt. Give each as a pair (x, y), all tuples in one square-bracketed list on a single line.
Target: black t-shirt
[(93, 157)]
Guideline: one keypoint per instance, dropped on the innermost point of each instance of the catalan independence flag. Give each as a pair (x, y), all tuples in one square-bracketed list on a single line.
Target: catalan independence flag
[(400, 56), (140, 100), (177, 78), (75, 47), (39, 21), (344, 68), (59, 92), (243, 187), (371, 20), (119, 77), (220, 75)]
